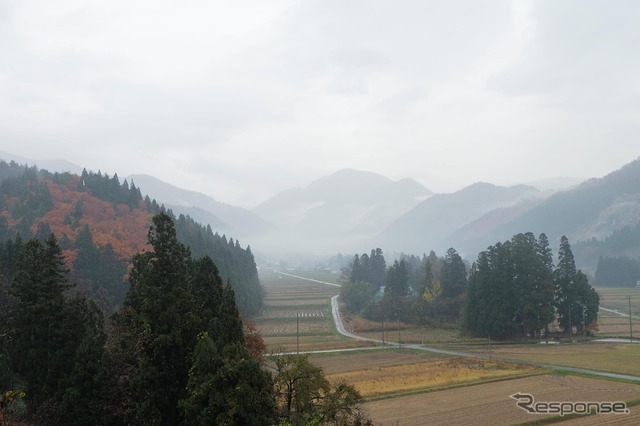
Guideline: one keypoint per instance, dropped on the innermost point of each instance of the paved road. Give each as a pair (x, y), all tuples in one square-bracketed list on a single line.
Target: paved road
[(617, 312), (307, 279), (341, 329)]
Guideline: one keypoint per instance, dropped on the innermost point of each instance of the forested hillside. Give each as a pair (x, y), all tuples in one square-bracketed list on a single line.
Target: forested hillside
[(101, 223)]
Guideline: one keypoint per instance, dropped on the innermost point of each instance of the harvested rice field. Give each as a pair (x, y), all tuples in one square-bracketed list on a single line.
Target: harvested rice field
[(491, 404)]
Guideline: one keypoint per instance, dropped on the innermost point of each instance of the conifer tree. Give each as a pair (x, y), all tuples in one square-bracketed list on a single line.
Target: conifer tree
[(160, 297), (38, 286), (454, 274), (576, 301), (227, 387)]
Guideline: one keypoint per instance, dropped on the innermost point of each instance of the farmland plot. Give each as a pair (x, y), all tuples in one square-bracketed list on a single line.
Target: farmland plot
[(297, 314), (490, 403), (431, 374), (623, 358), (344, 362), (616, 324)]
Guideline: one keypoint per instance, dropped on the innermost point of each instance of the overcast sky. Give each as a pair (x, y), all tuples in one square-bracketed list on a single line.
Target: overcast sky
[(241, 99)]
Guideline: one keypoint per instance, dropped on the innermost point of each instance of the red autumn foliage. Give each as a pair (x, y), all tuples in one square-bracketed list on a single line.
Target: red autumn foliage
[(124, 228), (253, 340)]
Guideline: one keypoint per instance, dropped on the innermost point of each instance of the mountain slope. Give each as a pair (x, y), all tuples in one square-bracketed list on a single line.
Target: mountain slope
[(341, 209), (223, 218), (482, 214), (101, 223), (427, 226), (596, 209)]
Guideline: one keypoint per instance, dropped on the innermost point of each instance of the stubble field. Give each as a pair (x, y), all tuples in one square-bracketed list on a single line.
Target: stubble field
[(297, 314), (407, 387), (491, 404)]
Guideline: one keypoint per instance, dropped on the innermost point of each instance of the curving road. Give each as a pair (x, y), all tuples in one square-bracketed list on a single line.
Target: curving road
[(335, 310), (340, 327)]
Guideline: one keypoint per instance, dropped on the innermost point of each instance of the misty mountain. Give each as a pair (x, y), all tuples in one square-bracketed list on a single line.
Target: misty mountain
[(58, 165), (223, 218), (556, 184), (343, 208), (601, 217), (592, 211), (429, 225)]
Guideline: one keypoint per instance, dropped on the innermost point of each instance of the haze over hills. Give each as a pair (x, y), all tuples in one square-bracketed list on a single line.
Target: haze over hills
[(346, 208), (429, 224), (55, 165), (224, 218), (592, 211), (354, 211)]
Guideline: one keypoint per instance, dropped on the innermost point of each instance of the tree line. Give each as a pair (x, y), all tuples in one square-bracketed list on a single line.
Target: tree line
[(515, 289), (512, 289), (412, 289), (618, 271)]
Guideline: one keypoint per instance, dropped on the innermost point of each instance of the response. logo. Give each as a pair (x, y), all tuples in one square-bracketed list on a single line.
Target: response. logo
[(528, 403)]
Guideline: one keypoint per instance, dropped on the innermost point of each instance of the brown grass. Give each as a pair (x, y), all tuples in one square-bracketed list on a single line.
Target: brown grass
[(490, 403), (623, 358), (431, 374), (343, 362)]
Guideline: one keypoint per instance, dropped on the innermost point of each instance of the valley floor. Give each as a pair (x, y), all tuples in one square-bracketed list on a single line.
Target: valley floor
[(439, 378)]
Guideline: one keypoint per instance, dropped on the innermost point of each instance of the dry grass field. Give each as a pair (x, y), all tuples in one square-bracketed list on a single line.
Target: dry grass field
[(408, 333), (490, 403), (346, 362), (386, 372), (383, 381), (623, 358)]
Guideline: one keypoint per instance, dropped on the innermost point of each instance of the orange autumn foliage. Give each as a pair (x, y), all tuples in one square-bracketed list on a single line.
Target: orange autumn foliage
[(122, 227)]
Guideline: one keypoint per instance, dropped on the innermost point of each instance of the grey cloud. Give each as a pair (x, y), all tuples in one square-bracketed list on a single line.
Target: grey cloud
[(577, 45)]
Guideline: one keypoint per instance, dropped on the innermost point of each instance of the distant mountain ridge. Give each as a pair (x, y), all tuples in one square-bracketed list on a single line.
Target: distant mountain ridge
[(428, 225), (348, 205), (587, 213), (354, 211), (223, 218), (56, 165)]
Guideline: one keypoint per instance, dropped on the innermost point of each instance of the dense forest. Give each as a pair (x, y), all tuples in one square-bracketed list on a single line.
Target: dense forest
[(176, 352), (515, 289), (512, 290), (413, 289), (100, 224)]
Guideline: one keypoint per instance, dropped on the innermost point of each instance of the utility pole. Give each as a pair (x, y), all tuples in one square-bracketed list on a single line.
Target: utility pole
[(297, 333), (399, 344), (570, 325), (630, 324), (383, 330)]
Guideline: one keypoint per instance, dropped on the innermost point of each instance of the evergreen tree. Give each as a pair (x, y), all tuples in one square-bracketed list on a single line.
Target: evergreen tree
[(207, 290), (159, 295), (38, 286), (396, 290), (454, 274), (566, 292), (533, 284), (227, 387), (85, 337)]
